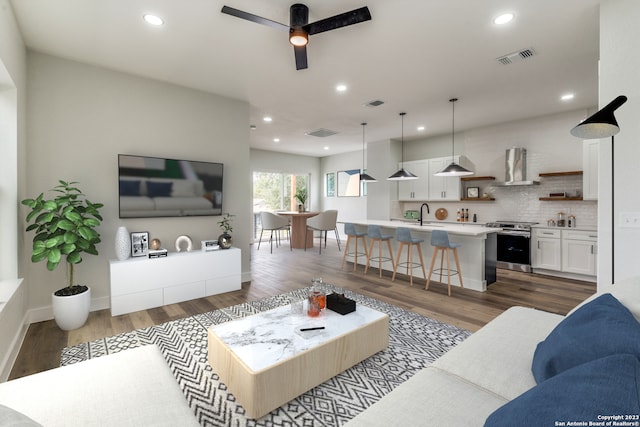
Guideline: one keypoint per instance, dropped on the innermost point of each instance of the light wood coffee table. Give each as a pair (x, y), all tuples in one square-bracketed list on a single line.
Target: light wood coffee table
[(266, 361)]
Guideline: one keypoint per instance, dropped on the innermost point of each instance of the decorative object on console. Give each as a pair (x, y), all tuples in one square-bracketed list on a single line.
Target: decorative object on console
[(301, 196), (123, 243), (186, 241), (155, 244), (209, 245), (224, 240), (65, 226), (139, 243), (603, 124), (453, 169), (402, 174), (158, 253)]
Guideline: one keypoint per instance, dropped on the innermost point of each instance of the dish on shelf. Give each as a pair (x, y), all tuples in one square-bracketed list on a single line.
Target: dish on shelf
[(441, 214)]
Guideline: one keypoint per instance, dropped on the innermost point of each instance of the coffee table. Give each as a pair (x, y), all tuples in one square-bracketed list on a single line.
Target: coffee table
[(266, 361)]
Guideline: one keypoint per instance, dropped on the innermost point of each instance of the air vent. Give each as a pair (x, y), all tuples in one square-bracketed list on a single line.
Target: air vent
[(375, 103), (516, 56), (322, 133)]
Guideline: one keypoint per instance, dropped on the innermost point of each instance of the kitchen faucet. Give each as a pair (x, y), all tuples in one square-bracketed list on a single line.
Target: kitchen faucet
[(422, 216)]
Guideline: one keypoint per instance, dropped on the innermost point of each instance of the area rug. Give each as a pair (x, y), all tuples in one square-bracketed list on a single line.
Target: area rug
[(414, 342)]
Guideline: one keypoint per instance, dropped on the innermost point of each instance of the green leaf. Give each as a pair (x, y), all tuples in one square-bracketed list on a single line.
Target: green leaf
[(50, 205), (91, 250), (74, 258), (37, 257), (32, 227), (51, 243), (72, 215), (66, 225), (90, 222), (52, 265), (54, 256), (86, 233), (67, 248), (70, 237)]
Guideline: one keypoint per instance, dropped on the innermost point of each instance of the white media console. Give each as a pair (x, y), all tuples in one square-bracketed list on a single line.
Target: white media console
[(142, 283)]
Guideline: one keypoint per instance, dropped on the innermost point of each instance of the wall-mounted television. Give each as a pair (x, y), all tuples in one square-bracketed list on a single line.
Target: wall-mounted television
[(158, 187)]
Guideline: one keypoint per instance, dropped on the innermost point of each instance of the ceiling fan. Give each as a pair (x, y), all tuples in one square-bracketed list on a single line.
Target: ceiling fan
[(300, 29)]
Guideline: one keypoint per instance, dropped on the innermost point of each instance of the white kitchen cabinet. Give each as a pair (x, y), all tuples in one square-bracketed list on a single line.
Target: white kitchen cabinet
[(590, 157), (546, 249), (443, 188), (579, 252), (142, 283), (415, 189)]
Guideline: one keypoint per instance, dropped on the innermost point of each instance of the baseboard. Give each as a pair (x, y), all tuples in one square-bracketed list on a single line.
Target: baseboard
[(42, 314)]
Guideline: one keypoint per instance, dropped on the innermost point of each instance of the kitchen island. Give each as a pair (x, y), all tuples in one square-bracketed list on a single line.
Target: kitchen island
[(477, 253)]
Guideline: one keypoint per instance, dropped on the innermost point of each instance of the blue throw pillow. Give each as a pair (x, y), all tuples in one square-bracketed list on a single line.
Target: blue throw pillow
[(129, 188), (599, 328), (159, 189), (586, 393)]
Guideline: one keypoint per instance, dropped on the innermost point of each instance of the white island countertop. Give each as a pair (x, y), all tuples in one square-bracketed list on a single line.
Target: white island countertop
[(462, 229)]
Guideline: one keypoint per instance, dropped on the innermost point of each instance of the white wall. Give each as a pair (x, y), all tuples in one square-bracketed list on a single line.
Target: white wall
[(349, 208), (81, 117), (13, 76), (619, 71)]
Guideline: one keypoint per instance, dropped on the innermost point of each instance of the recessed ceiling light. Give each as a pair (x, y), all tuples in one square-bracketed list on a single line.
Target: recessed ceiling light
[(276, 139), (420, 128), (152, 19), (503, 19), (267, 119), (325, 148), (341, 88), (567, 96)]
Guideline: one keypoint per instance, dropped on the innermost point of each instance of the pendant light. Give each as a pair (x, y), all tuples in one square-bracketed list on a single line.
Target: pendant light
[(364, 176), (402, 174), (453, 169)]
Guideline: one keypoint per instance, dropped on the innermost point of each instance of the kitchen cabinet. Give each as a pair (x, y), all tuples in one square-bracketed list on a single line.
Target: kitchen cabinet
[(579, 252), (546, 249), (590, 156), (443, 188), (415, 189)]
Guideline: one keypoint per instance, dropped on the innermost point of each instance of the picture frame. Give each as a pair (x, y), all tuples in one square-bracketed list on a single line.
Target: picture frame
[(139, 243), (330, 184), (473, 192), (349, 183)]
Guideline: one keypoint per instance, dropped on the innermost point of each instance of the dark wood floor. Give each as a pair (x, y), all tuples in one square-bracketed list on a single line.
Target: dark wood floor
[(285, 270)]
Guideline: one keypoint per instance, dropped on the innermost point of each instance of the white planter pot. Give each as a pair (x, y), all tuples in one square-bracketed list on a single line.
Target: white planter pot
[(71, 312)]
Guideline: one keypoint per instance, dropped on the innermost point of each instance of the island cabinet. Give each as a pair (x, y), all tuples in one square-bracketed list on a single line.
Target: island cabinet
[(547, 249), (143, 283), (415, 189)]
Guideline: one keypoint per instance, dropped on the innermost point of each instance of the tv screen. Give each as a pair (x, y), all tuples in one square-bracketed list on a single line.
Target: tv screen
[(157, 187)]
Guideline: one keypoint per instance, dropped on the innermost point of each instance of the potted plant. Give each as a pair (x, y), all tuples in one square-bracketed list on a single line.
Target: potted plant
[(224, 240), (65, 228), (301, 196)]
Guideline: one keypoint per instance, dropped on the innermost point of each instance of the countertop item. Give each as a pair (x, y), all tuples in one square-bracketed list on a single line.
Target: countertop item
[(442, 213)]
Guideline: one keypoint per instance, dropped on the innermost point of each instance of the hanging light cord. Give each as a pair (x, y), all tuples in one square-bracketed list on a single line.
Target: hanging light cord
[(453, 122), (402, 136), (363, 164)]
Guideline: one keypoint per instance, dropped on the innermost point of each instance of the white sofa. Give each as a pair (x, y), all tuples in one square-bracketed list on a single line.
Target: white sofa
[(489, 369), (131, 388)]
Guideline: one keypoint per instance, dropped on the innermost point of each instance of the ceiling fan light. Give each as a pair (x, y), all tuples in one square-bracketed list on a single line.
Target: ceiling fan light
[(298, 37), (454, 169)]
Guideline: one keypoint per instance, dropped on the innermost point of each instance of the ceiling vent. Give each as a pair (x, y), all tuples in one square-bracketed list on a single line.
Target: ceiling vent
[(321, 133), (514, 57), (375, 103)]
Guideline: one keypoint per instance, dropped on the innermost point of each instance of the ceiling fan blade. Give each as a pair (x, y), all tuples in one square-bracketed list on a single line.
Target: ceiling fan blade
[(344, 19), (301, 57), (254, 18)]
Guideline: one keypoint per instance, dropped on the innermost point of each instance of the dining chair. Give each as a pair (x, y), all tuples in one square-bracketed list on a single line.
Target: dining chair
[(274, 223), (324, 221)]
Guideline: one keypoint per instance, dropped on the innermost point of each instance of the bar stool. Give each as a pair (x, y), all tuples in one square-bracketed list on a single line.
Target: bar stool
[(440, 242), (403, 235), (351, 231), (376, 236)]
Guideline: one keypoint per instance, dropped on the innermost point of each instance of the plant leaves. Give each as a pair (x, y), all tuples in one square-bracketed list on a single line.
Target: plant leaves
[(66, 225), (74, 258), (54, 256)]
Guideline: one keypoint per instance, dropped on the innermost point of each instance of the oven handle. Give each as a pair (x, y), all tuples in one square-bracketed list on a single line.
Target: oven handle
[(515, 233)]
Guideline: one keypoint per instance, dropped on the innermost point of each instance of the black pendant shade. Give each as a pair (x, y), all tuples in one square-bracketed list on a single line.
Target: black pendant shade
[(364, 176), (602, 124), (453, 169), (402, 174)]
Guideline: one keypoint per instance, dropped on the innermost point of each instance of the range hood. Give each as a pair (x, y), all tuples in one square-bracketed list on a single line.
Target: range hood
[(515, 163)]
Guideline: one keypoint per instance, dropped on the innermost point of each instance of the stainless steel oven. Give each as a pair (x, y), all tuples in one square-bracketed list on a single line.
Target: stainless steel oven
[(514, 245)]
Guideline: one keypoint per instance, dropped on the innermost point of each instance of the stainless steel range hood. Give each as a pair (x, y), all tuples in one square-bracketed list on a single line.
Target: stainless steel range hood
[(515, 163)]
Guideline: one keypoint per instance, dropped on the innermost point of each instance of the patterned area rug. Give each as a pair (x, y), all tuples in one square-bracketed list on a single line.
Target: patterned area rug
[(414, 342)]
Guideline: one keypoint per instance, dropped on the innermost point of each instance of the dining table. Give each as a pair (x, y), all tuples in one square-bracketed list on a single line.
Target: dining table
[(300, 239)]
